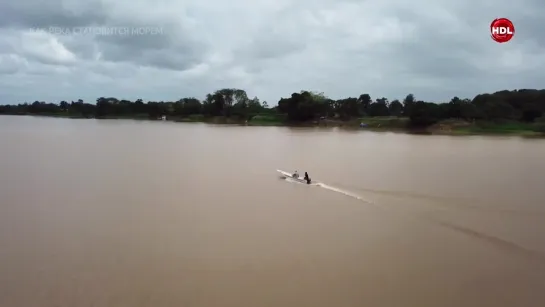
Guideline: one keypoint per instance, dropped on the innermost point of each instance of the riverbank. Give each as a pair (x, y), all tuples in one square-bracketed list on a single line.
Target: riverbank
[(399, 124), (384, 123), (460, 127)]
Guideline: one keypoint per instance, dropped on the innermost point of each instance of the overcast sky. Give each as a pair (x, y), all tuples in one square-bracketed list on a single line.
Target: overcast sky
[(434, 49)]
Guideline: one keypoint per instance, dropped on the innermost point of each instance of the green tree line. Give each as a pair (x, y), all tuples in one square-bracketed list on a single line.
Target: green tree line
[(525, 105)]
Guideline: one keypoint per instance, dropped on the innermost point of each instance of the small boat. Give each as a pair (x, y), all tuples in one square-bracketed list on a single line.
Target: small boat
[(300, 179)]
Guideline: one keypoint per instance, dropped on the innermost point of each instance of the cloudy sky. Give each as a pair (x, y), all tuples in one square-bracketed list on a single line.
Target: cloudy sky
[(69, 49)]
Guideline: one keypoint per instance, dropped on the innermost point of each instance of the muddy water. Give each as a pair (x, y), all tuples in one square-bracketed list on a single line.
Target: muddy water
[(127, 213)]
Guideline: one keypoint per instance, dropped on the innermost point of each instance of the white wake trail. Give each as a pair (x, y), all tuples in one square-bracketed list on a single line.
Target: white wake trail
[(287, 177), (344, 192)]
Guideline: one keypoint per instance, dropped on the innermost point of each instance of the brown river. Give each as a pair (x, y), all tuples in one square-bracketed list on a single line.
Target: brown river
[(135, 213)]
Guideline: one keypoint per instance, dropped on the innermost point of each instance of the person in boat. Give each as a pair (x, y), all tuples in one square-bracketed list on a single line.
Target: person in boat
[(307, 178), (295, 175)]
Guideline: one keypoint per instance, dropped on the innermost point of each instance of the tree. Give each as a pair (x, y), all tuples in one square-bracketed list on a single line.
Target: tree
[(407, 104), (191, 106), (423, 114), (379, 108), (364, 102), (302, 106), (347, 108), (103, 108), (220, 104), (395, 108), (493, 107), (64, 106)]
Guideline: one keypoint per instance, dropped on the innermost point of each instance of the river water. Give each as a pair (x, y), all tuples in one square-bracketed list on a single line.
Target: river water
[(136, 213)]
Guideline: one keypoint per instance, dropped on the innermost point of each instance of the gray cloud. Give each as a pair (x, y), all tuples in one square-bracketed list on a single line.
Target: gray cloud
[(54, 13), (169, 49)]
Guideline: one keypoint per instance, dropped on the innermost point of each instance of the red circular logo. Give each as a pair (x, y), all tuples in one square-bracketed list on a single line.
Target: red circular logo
[(502, 30)]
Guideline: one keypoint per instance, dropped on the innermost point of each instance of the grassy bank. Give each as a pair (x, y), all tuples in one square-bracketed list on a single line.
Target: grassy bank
[(258, 120), (458, 127), (384, 123), (392, 123), (267, 120)]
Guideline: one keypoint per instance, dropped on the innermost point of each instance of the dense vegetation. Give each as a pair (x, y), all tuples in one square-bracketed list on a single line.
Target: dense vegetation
[(519, 107)]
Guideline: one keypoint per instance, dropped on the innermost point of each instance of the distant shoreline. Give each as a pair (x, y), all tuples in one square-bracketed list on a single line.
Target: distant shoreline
[(516, 112), (376, 124)]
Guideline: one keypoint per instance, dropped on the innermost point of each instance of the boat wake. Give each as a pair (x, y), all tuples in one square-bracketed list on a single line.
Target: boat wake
[(478, 235), (341, 191), (286, 177)]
